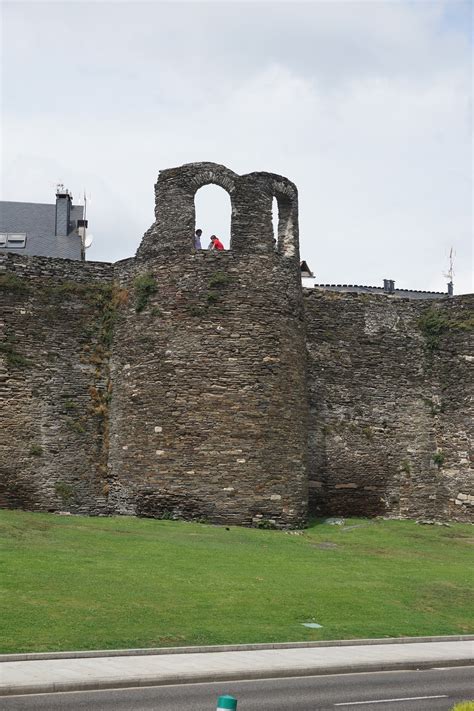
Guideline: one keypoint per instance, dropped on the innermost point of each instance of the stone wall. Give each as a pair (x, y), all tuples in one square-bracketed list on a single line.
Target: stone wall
[(183, 383), (53, 383), (391, 399), (172, 384), (209, 412)]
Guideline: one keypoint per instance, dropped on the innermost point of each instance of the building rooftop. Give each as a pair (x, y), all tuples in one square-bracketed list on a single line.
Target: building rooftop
[(33, 227), (388, 288)]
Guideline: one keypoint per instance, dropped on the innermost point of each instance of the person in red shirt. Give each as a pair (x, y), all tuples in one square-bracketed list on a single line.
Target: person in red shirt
[(216, 243)]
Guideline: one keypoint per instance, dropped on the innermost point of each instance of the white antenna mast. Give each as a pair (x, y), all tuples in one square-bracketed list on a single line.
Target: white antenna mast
[(82, 229), (450, 273)]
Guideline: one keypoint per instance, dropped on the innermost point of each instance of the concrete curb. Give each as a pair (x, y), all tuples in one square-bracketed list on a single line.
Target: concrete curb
[(226, 648), (168, 680)]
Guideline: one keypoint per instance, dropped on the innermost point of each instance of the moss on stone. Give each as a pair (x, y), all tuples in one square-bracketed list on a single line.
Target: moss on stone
[(434, 324), (219, 280), (12, 282), (36, 450), (145, 286), (14, 359)]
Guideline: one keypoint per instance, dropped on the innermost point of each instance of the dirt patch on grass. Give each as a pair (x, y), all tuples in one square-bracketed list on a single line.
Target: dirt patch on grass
[(325, 545)]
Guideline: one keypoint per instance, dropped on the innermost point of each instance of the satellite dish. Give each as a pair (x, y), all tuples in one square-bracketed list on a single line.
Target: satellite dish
[(88, 241)]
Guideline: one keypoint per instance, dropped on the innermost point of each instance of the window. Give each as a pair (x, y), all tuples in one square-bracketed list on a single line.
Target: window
[(15, 240)]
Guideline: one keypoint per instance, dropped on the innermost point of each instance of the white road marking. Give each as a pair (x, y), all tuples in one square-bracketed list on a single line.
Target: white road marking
[(388, 701)]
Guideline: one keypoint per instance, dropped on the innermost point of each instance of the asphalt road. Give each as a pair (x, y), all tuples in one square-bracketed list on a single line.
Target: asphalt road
[(428, 690)]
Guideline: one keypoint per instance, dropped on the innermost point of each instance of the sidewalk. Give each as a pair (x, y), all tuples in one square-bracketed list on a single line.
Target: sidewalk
[(131, 669)]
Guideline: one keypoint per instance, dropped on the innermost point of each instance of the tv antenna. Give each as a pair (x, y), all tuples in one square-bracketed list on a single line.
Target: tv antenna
[(450, 273), (85, 204)]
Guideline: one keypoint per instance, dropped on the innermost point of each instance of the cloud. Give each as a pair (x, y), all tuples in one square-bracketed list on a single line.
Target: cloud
[(366, 106)]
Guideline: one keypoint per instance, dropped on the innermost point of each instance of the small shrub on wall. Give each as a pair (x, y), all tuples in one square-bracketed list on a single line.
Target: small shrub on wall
[(145, 286)]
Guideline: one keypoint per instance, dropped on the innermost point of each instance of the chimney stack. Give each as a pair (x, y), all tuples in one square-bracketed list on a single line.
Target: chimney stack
[(388, 286), (63, 211)]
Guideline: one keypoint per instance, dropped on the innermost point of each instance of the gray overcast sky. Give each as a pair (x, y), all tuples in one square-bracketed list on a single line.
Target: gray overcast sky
[(366, 106)]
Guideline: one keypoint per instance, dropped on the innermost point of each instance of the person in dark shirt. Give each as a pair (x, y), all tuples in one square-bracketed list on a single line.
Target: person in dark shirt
[(197, 239), (216, 243)]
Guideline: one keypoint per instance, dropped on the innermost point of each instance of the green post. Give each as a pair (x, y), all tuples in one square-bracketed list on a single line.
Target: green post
[(226, 703)]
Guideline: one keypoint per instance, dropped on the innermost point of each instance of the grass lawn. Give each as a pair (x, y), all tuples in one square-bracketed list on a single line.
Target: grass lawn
[(72, 582)]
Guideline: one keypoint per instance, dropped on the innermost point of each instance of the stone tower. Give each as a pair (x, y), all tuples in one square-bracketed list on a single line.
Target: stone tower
[(209, 412)]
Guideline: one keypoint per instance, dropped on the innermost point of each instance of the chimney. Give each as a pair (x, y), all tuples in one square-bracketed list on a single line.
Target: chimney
[(450, 288), (63, 211), (388, 286)]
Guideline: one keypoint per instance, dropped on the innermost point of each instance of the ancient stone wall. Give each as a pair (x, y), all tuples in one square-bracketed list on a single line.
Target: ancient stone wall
[(209, 410), (251, 197), (54, 383), (173, 384), (391, 394), (183, 383)]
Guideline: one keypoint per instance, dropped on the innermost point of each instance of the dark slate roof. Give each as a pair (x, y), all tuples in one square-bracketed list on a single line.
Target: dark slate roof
[(363, 289), (38, 220)]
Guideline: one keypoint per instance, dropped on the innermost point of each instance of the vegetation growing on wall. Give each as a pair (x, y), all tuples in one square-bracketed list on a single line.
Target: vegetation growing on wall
[(64, 491), (12, 282), (90, 308), (108, 300), (438, 458), (14, 359), (217, 282), (405, 467), (144, 285), (36, 450), (434, 324), (196, 310), (436, 406), (212, 297), (219, 279)]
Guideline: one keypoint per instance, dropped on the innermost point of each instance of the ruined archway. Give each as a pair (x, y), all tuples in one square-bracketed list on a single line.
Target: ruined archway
[(275, 219), (287, 234), (213, 212), (251, 196)]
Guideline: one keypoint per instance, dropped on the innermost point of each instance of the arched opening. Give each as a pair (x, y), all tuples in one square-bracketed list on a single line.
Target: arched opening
[(287, 222), (213, 214), (275, 221)]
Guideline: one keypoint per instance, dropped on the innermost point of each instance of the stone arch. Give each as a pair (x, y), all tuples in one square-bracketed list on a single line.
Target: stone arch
[(287, 199), (253, 223), (175, 189), (213, 213), (212, 173), (251, 198)]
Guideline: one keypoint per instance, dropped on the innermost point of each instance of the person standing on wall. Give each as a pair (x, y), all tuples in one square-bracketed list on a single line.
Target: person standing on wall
[(197, 239), (216, 244)]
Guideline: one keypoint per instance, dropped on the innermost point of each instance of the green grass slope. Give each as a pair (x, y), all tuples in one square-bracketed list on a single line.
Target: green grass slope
[(96, 583)]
